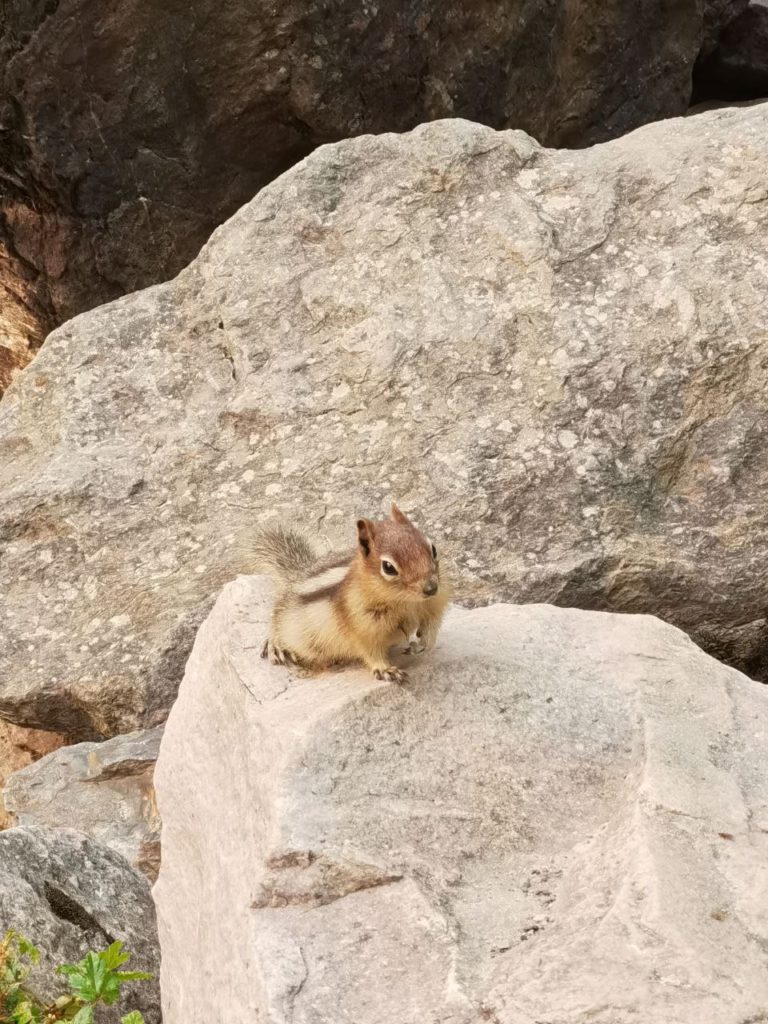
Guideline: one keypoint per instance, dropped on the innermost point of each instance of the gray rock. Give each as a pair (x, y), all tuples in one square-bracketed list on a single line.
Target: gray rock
[(102, 789), (555, 361), (564, 817), (112, 181), (68, 895)]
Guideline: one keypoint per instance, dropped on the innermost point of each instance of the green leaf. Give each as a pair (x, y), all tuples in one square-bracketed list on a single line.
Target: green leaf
[(88, 978), (27, 949), (111, 991), (94, 980), (114, 956), (24, 1013)]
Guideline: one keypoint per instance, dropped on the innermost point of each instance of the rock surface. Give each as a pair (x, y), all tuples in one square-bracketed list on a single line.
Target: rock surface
[(102, 789), (69, 895), (111, 181), (737, 69), (555, 361), (564, 817), (19, 747)]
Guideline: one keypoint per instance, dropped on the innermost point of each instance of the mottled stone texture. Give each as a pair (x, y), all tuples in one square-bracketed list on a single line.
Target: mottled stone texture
[(19, 747), (555, 361), (129, 130), (70, 895), (103, 789), (564, 817)]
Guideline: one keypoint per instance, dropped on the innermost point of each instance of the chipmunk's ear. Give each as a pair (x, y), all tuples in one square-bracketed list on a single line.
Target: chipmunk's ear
[(398, 516), (365, 534)]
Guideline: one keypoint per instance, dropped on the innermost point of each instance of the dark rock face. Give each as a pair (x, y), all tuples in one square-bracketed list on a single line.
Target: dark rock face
[(737, 69), (129, 131), (68, 894)]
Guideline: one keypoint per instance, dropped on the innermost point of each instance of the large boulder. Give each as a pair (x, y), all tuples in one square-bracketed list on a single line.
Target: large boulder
[(103, 789), (563, 817), (68, 895), (555, 361), (129, 131)]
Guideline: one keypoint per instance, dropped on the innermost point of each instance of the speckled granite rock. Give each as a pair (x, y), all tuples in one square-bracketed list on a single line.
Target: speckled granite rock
[(68, 895), (111, 181), (564, 817), (102, 789), (555, 361)]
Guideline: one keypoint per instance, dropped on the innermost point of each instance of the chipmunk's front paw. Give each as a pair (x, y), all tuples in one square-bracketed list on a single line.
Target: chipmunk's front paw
[(416, 644), (392, 674)]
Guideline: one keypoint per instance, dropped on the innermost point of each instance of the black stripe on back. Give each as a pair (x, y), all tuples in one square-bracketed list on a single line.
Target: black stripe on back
[(332, 562), (322, 594)]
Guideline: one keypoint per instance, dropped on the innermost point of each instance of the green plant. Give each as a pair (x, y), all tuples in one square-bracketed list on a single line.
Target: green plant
[(95, 981)]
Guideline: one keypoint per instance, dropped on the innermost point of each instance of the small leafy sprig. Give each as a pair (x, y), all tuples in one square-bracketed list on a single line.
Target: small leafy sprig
[(95, 980), (17, 958)]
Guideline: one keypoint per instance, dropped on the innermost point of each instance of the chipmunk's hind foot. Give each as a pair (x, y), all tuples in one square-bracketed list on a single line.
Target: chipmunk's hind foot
[(279, 655)]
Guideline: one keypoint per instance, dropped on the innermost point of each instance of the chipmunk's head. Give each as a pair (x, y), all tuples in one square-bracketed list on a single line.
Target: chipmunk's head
[(398, 558)]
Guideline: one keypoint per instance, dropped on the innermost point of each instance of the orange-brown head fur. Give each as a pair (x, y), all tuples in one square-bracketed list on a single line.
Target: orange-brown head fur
[(396, 561)]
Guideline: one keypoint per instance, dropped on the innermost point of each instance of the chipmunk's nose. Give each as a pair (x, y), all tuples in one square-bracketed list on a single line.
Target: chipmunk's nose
[(430, 588)]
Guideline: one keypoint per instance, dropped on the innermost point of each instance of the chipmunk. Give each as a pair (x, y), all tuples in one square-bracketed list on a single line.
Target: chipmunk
[(353, 607)]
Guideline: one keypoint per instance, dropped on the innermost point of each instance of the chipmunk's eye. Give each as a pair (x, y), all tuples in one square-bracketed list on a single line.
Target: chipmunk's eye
[(434, 552), (387, 568)]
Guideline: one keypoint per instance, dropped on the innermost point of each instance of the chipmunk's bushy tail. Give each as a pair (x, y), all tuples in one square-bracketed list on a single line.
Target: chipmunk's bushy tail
[(283, 553)]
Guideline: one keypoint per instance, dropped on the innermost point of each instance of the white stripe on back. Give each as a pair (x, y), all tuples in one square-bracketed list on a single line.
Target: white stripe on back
[(329, 578)]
